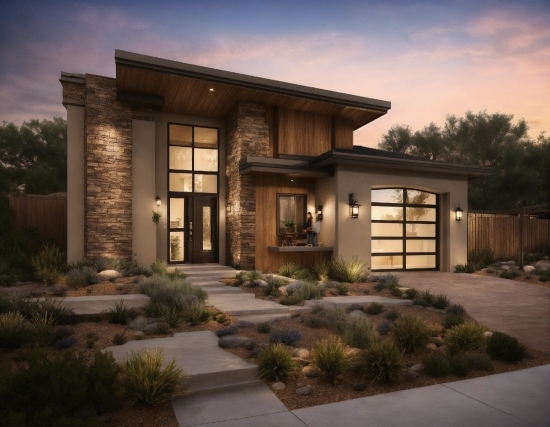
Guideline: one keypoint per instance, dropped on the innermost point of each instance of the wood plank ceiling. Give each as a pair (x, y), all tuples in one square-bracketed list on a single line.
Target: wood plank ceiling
[(184, 95)]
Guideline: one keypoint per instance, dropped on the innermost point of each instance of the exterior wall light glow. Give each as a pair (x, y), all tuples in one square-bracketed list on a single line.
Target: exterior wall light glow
[(458, 213), (157, 200), (353, 206), (228, 208), (320, 213)]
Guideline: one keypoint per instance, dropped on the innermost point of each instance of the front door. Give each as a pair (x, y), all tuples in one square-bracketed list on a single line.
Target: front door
[(203, 230)]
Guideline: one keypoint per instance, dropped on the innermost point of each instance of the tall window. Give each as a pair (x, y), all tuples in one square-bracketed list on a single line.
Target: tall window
[(291, 207), (403, 229)]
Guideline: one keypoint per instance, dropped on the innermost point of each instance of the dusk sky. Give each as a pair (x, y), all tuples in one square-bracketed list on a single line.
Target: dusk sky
[(429, 58)]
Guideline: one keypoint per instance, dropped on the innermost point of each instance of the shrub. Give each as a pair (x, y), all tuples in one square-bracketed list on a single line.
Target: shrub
[(382, 363), (374, 308), (392, 315), (273, 285), (348, 271), (53, 307), (441, 301), (317, 308), (306, 275), (196, 313), (410, 333), (437, 365), (480, 362), (460, 366), (119, 313), (285, 336), (411, 293), (65, 343), (427, 296), (359, 333), (465, 268), (134, 268), (332, 318), (275, 363), (81, 276), (421, 302), (176, 273), (307, 291), (396, 291), (321, 270), (253, 275), (484, 256), (465, 338), (385, 281), (171, 292), (41, 324), (384, 328), (144, 380), (456, 309), (263, 327), (220, 317), (331, 358), (14, 330), (294, 299), (172, 315), (342, 289), (504, 347), (240, 278), (159, 267), (289, 269), (48, 264), (230, 330), (119, 339), (452, 320), (510, 274)]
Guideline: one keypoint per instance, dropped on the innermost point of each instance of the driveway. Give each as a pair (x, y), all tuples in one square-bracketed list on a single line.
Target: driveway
[(516, 308)]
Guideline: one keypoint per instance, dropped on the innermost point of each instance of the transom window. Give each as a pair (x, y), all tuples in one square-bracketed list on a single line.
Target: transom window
[(403, 229)]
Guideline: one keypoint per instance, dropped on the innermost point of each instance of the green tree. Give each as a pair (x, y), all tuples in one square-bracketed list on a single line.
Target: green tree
[(33, 156)]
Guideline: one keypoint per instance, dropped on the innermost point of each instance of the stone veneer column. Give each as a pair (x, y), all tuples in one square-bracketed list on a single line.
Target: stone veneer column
[(247, 135)]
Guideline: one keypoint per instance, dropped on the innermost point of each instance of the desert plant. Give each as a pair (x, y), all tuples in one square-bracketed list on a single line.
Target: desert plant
[(305, 275), (176, 273), (307, 291), (330, 318), (410, 333), (427, 296), (437, 365), (134, 268), (220, 317), (286, 336), (480, 362), (172, 315), (465, 338), (465, 268), (452, 320), (119, 313), (48, 264), (196, 313), (396, 291), (331, 358), (350, 271), (441, 301), (82, 276), (263, 327), (120, 339), (484, 256), (374, 308), (52, 306), (421, 302), (384, 328), (411, 293), (159, 267), (289, 269), (321, 270), (382, 363), (510, 274), (359, 333), (240, 278), (14, 330), (342, 289), (293, 299), (456, 309), (505, 347), (41, 324), (144, 380), (460, 366), (273, 285), (392, 315), (275, 363)]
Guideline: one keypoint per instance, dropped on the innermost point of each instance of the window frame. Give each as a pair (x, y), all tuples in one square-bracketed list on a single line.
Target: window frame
[(278, 210)]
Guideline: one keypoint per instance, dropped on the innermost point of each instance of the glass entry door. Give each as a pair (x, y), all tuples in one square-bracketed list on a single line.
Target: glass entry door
[(203, 231)]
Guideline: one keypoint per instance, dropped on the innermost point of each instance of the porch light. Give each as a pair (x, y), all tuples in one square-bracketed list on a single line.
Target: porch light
[(353, 206), (157, 200), (320, 213), (458, 213), (228, 208)]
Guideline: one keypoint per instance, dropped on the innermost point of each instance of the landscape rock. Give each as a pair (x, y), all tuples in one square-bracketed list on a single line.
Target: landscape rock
[(108, 274), (505, 267), (139, 335), (412, 374), (304, 391), (357, 314), (358, 386), (511, 262), (354, 307), (156, 328), (65, 343), (258, 283), (141, 322), (352, 351), (310, 372), (302, 353), (282, 291), (417, 368), (278, 386), (528, 268), (234, 341), (542, 265), (60, 332), (491, 270), (487, 334), (431, 346), (245, 324)]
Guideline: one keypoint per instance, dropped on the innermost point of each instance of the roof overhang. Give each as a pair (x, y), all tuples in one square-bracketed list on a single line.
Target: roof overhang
[(186, 89), (334, 157), (251, 164)]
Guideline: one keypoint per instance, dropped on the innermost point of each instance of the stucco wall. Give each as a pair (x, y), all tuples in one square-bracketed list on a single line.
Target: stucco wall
[(325, 195), (353, 234)]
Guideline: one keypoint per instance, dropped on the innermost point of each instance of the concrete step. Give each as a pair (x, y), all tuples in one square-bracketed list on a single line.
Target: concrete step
[(345, 301), (208, 366), (221, 290), (244, 304), (94, 305), (259, 318)]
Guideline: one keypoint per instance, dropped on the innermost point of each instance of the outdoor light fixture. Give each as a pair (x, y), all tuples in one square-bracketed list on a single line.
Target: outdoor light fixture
[(353, 206), (458, 213), (157, 199), (320, 213), (228, 208)]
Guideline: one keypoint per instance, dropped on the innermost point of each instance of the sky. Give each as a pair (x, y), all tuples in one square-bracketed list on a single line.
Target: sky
[(428, 58)]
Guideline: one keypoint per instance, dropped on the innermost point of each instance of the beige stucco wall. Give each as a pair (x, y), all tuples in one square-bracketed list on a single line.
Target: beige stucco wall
[(161, 177), (353, 235), (144, 248), (75, 183), (325, 195)]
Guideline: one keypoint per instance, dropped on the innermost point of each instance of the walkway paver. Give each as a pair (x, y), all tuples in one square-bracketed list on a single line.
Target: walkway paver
[(517, 308), (90, 305)]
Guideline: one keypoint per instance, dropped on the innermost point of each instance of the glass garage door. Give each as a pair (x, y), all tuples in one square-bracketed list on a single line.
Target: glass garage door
[(403, 229)]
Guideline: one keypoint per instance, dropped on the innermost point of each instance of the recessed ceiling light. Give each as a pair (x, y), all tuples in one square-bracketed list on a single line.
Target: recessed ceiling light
[(211, 89)]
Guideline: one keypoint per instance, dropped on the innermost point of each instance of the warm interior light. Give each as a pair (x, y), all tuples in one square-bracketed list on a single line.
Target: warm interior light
[(157, 199), (211, 89), (458, 213)]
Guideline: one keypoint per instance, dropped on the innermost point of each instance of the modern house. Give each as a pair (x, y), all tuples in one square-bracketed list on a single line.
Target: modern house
[(227, 159)]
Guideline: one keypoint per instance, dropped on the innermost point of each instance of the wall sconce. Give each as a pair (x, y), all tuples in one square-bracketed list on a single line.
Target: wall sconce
[(157, 200), (458, 213), (353, 206), (228, 208), (320, 213)]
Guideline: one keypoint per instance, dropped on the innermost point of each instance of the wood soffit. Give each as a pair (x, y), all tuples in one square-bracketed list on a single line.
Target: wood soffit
[(186, 90)]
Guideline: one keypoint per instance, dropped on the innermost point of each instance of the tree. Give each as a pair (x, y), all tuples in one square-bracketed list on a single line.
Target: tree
[(33, 157)]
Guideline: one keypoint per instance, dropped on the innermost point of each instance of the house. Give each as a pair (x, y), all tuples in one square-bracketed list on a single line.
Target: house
[(227, 159)]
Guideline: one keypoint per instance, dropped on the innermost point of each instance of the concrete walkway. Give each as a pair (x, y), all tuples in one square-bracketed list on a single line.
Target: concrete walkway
[(516, 308)]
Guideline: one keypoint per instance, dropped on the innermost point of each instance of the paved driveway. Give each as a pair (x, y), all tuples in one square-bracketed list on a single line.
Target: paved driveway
[(516, 308)]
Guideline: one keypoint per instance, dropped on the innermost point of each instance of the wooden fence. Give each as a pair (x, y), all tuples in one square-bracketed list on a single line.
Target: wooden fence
[(501, 234), (48, 214)]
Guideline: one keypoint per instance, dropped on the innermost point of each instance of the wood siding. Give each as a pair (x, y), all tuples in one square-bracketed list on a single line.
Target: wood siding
[(500, 233), (342, 133), (48, 214), (303, 134)]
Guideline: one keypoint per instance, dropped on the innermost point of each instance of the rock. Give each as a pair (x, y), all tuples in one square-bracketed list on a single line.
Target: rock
[(546, 257), (246, 283), (505, 267), (487, 334), (290, 289), (108, 275), (431, 346), (302, 353), (352, 352), (156, 328), (234, 341), (504, 263), (310, 372), (354, 307), (139, 335), (511, 262), (282, 291), (259, 283), (278, 386), (255, 352), (357, 314), (65, 343), (491, 270), (528, 269), (140, 322), (245, 324), (230, 330), (542, 265), (60, 332), (358, 386), (299, 385), (417, 368), (412, 374), (304, 391)]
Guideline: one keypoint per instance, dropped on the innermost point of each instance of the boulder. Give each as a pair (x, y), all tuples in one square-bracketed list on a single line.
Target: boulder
[(358, 386), (305, 390), (302, 353), (278, 386), (491, 270), (487, 334), (528, 269), (234, 341), (258, 283), (156, 328), (417, 368), (245, 324), (431, 346), (60, 332), (140, 322), (357, 314), (139, 335), (511, 262), (282, 291), (310, 372), (505, 267), (542, 265), (412, 374), (108, 274)]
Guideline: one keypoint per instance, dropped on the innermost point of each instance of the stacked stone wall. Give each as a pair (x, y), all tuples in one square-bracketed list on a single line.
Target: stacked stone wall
[(247, 135)]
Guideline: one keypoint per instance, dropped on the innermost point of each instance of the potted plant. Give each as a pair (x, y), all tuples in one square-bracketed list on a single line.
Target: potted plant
[(290, 225), (156, 217)]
